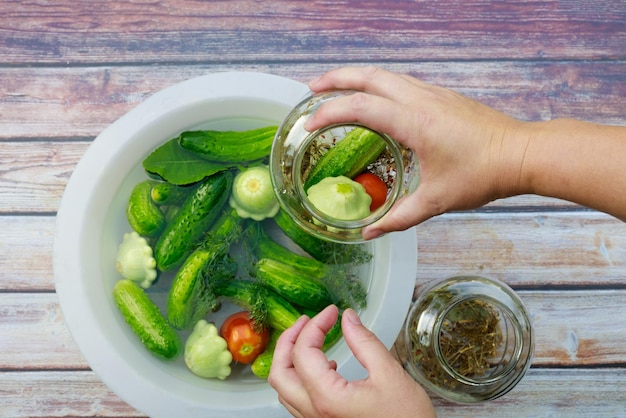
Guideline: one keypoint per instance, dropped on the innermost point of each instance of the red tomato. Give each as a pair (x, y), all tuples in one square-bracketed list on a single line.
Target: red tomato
[(375, 187), (243, 341)]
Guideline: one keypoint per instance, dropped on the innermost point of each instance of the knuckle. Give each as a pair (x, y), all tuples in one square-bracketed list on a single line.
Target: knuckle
[(358, 101), (370, 71)]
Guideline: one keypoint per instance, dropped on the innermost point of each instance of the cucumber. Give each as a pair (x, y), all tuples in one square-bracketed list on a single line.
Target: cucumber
[(313, 246), (164, 193), (262, 364), (143, 215), (262, 303), (350, 156), (193, 219), (189, 298), (266, 247), (145, 319), (229, 146), (292, 284)]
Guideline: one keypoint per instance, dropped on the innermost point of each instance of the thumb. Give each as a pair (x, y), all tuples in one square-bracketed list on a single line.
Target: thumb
[(366, 347)]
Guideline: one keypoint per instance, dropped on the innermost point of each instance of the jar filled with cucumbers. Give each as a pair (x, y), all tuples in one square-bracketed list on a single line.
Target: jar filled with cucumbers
[(336, 180)]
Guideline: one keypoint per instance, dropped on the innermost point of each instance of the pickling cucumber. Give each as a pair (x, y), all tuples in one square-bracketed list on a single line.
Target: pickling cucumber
[(359, 148), (187, 300), (146, 320), (164, 193), (229, 146), (143, 215), (196, 214), (294, 285)]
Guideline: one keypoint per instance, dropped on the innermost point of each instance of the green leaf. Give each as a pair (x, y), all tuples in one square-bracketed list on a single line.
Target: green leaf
[(176, 165)]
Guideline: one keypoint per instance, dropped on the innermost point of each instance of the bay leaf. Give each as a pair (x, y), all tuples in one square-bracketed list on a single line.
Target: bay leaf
[(176, 165)]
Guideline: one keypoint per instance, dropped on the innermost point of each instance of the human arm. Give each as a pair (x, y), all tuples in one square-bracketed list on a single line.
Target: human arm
[(308, 384), (470, 153)]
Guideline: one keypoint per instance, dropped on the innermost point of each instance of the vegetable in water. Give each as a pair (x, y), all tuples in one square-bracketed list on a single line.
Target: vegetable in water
[(245, 339), (195, 216), (253, 195), (341, 198), (135, 261), (206, 353), (229, 146), (143, 215), (190, 296), (145, 320)]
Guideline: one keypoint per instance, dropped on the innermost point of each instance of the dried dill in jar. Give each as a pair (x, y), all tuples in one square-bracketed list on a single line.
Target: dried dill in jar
[(467, 339)]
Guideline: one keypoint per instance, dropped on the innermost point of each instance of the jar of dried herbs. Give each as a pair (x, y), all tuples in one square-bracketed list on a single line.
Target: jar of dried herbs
[(467, 339)]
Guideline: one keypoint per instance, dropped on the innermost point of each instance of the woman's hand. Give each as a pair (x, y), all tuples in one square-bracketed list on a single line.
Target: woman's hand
[(469, 153), (308, 384)]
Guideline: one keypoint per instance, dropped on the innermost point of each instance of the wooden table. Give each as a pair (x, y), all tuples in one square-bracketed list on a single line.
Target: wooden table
[(70, 68)]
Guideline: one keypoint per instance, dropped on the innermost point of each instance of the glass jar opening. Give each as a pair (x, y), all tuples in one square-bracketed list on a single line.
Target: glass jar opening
[(478, 341), (389, 167)]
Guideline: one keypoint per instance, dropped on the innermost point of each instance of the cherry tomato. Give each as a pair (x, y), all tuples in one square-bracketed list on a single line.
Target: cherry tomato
[(375, 187), (244, 342)]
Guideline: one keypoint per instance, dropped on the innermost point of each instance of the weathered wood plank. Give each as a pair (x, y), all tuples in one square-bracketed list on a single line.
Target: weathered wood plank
[(524, 249), (39, 103), (59, 394), (572, 328), (33, 175), (26, 246), (34, 335), (248, 30), (542, 393), (553, 393)]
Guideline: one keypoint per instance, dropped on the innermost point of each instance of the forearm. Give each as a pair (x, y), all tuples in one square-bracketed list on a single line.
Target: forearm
[(577, 161)]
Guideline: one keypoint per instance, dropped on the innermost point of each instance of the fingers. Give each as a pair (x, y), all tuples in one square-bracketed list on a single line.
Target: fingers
[(308, 357), (376, 112), (285, 344), (297, 352), (407, 212), (369, 79), (364, 344)]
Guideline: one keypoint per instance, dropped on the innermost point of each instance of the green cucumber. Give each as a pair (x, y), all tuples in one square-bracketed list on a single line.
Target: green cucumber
[(189, 299), (294, 285), (350, 156), (265, 247), (262, 303), (262, 364), (146, 320), (196, 214), (164, 193), (229, 146), (313, 246), (143, 215)]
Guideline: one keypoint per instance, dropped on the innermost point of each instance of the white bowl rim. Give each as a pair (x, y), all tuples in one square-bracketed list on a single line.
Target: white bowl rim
[(145, 394)]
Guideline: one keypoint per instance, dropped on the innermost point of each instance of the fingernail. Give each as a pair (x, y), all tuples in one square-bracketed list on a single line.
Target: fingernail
[(352, 317), (306, 125), (371, 233), (314, 81)]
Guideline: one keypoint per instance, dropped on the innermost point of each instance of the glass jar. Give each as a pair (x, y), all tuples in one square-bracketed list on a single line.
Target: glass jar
[(467, 339), (295, 150)]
